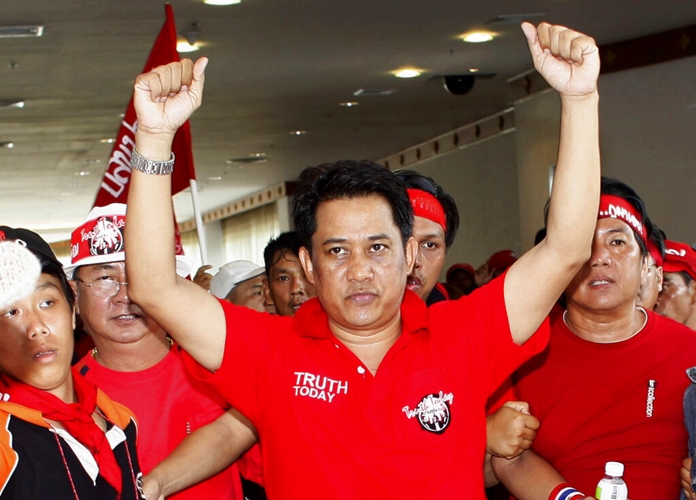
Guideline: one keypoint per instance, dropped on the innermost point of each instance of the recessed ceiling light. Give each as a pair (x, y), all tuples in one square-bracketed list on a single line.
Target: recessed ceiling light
[(348, 104), (473, 70), (216, 178), (107, 141), (8, 145), (477, 37), (407, 73), (184, 47), (82, 173), (222, 2), (298, 132)]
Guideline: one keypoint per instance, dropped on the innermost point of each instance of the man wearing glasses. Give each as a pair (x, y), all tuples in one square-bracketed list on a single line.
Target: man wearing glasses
[(134, 361)]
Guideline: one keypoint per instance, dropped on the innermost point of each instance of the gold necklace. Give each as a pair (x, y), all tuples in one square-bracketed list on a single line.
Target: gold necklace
[(169, 339)]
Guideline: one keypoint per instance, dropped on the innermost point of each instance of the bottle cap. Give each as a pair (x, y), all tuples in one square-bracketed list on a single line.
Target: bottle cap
[(614, 469)]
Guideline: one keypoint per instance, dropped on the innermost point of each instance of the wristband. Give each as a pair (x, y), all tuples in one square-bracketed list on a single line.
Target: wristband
[(565, 491), (139, 162)]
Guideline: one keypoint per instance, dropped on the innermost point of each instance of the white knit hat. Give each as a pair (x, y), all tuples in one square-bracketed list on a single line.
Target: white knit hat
[(19, 272)]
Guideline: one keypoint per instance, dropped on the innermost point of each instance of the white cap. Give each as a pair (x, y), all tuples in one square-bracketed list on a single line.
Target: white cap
[(614, 469), (100, 240), (231, 275)]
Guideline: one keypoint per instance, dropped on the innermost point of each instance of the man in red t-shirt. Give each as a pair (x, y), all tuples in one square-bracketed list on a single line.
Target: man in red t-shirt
[(610, 385), (135, 362), (365, 392)]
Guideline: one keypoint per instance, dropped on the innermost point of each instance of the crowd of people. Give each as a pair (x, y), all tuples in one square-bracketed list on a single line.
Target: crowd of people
[(342, 368)]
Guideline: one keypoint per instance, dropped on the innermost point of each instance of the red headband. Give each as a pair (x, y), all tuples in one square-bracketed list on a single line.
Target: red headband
[(615, 207), (426, 205)]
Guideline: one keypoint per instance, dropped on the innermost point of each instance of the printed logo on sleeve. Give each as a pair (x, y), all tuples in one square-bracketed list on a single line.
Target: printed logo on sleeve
[(433, 412)]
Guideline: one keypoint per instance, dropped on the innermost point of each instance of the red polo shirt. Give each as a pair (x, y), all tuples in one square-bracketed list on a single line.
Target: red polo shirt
[(329, 429)]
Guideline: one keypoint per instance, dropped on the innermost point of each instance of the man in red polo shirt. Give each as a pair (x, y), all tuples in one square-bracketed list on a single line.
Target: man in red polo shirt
[(365, 393)]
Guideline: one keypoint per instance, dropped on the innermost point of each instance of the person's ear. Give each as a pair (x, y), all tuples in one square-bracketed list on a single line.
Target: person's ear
[(644, 268), (692, 291), (73, 285), (307, 266), (411, 253), (660, 277)]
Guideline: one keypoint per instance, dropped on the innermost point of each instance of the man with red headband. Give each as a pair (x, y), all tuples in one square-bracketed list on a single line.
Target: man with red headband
[(609, 387), (435, 225), (510, 428)]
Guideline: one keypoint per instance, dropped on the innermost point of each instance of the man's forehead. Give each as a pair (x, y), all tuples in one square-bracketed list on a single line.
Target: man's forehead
[(610, 225), (104, 266), (284, 259), (364, 214)]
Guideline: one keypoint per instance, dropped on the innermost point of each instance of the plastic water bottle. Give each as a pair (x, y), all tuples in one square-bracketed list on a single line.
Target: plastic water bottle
[(612, 486)]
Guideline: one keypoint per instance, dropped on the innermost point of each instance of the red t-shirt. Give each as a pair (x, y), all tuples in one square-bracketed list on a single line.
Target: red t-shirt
[(613, 402), (329, 429), (168, 404)]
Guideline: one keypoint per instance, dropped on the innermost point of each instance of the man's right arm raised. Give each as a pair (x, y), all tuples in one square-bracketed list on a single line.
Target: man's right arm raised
[(164, 99)]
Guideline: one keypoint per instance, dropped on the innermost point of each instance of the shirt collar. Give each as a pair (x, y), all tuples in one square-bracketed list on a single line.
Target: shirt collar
[(311, 319)]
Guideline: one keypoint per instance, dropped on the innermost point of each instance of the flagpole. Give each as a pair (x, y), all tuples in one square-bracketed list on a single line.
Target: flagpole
[(200, 230)]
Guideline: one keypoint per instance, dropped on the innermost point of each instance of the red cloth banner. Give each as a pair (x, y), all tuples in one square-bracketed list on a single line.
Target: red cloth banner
[(114, 186)]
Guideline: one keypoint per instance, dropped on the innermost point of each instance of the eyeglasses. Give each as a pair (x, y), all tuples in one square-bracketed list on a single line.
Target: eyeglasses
[(104, 287)]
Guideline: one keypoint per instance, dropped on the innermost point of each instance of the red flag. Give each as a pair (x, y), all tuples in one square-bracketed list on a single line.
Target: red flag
[(114, 186)]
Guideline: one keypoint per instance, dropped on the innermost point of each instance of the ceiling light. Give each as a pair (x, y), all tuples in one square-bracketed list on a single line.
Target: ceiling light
[(8, 145), (473, 70), (107, 141), (184, 47), (348, 104), (478, 37), (298, 132), (217, 178), (407, 73), (82, 173), (222, 2)]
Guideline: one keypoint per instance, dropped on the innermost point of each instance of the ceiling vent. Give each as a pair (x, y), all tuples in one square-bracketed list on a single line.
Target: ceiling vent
[(516, 18), (249, 159), (21, 31), (373, 92)]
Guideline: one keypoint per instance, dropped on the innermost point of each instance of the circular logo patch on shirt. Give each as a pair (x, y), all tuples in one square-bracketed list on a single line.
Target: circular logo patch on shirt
[(434, 413)]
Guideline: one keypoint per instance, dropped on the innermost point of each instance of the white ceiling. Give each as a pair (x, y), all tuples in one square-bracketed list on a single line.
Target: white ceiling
[(276, 66)]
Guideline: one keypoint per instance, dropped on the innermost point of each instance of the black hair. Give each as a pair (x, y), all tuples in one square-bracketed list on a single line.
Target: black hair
[(622, 190), (347, 179), (416, 180), (55, 269), (288, 241)]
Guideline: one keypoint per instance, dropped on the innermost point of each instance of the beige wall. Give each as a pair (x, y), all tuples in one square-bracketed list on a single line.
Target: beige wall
[(483, 181), (648, 140)]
